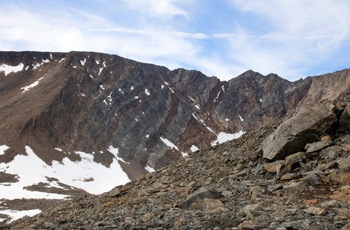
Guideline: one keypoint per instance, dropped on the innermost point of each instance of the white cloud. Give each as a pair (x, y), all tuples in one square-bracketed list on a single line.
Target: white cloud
[(290, 38), (156, 8), (301, 35)]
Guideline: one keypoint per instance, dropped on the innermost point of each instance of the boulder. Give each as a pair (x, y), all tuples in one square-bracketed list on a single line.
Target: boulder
[(344, 119), (317, 146), (199, 195), (306, 126)]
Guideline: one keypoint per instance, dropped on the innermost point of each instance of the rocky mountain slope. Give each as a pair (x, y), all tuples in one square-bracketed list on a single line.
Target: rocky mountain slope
[(254, 182), (70, 120)]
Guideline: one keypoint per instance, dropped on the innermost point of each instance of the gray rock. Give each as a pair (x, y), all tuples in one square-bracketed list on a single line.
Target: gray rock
[(317, 146), (344, 164), (248, 209), (293, 134), (295, 188), (344, 119), (331, 153), (114, 192), (297, 224), (199, 195), (274, 187), (312, 179), (239, 186), (256, 191)]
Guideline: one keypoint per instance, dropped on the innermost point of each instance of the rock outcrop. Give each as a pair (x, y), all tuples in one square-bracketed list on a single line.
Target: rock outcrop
[(308, 125), (229, 186)]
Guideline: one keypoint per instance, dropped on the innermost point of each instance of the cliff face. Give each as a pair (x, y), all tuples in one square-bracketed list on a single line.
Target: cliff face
[(141, 115)]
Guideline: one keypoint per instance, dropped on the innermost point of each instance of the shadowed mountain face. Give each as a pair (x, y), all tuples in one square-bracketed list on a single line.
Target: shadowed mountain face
[(110, 110)]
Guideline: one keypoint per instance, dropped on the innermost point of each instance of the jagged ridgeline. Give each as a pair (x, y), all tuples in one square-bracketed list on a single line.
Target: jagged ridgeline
[(80, 119), (144, 115)]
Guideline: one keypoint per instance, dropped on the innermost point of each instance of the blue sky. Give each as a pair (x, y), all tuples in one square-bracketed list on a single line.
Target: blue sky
[(223, 38)]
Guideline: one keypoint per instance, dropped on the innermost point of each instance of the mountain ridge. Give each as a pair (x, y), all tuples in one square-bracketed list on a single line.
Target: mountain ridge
[(118, 114)]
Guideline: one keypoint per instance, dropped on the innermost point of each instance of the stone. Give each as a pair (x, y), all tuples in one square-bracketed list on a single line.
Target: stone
[(213, 204), (344, 119), (344, 164), (306, 126), (295, 158), (342, 194), (315, 210), (239, 186), (199, 195), (331, 153), (274, 187), (275, 166), (297, 224), (295, 188), (312, 179), (312, 201), (114, 192), (290, 176), (317, 146), (250, 208), (256, 191), (341, 178)]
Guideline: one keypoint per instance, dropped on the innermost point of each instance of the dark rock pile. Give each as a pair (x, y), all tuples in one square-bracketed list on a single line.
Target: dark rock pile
[(294, 176)]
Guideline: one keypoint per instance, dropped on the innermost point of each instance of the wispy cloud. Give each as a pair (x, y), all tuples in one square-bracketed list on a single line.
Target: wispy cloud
[(290, 38)]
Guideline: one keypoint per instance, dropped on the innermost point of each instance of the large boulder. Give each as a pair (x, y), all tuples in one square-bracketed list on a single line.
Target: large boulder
[(344, 119), (306, 126)]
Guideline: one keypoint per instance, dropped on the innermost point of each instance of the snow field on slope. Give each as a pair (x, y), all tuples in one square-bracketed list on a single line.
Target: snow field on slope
[(86, 174)]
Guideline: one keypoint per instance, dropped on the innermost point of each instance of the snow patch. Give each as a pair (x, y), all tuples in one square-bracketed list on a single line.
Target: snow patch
[(224, 137), (83, 62), (241, 118), (32, 170), (227, 119), (149, 169), (62, 59), (11, 69), (223, 88), (172, 146), (197, 106), (17, 214), (28, 87), (115, 152), (132, 88), (97, 62), (3, 148), (260, 99), (191, 99), (59, 149), (147, 92), (100, 71), (194, 148)]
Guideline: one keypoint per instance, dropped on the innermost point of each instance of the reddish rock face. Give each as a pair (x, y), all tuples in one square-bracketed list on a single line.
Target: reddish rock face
[(88, 102)]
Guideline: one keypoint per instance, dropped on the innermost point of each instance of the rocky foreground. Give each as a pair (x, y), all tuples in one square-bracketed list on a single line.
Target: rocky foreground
[(294, 176)]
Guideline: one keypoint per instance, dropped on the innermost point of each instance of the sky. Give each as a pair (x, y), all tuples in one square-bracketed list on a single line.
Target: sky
[(222, 38)]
